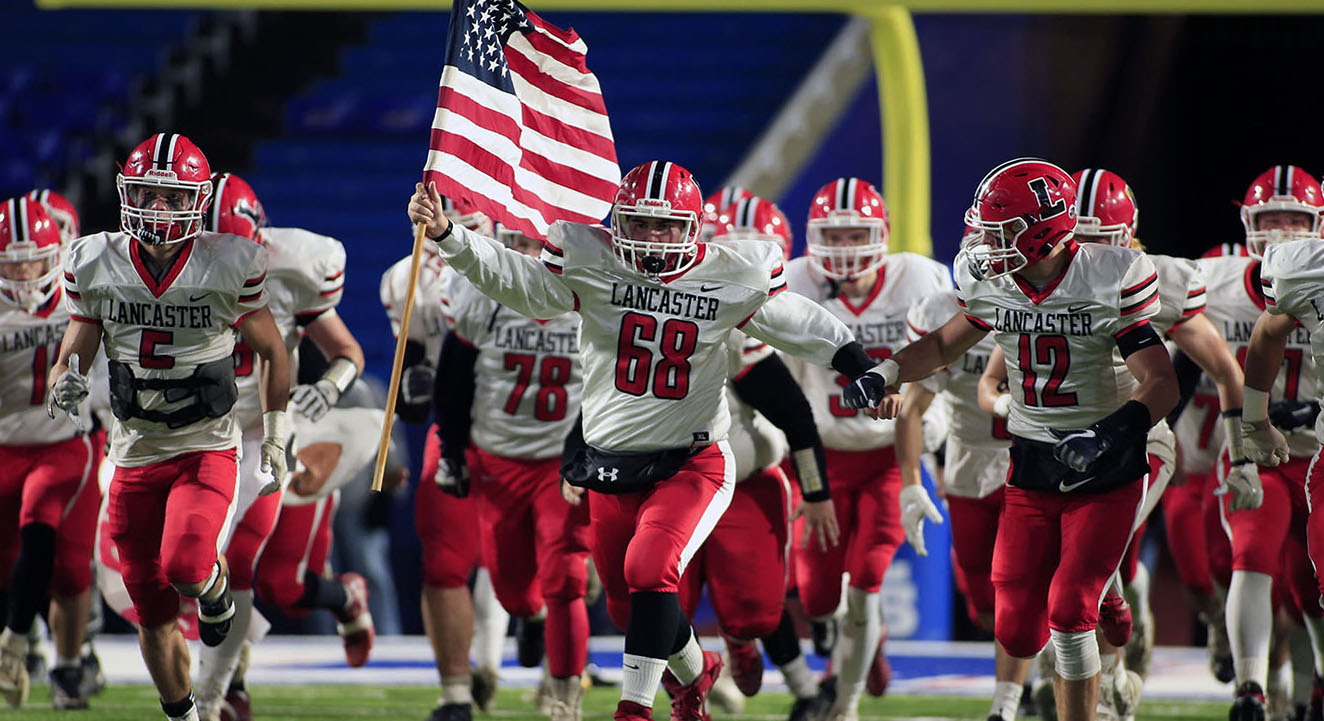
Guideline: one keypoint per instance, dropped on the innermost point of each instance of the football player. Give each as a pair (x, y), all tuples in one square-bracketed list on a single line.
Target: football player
[(1283, 204), (657, 306), (447, 525), (167, 295), (48, 489), (305, 281), (1079, 416), (1292, 281), (508, 391), (848, 271)]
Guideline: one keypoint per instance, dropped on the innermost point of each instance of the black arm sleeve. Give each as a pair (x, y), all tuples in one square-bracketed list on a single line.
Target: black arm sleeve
[(411, 413), (1188, 377), (1137, 339), (453, 395), (852, 361), (574, 442), (769, 388)]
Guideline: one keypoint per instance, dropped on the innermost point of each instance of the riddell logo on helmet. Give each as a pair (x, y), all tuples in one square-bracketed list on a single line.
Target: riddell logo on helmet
[(654, 204), (154, 173)]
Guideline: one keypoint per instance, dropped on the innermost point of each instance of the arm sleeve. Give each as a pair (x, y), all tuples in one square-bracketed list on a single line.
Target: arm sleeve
[(526, 285), (1188, 377), (796, 325), (453, 394), (769, 388), (252, 296)]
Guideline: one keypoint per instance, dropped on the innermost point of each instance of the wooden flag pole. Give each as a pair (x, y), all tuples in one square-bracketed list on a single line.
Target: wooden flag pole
[(397, 365)]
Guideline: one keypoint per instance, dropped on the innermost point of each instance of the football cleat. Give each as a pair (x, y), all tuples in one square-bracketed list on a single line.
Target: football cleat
[(13, 673), (690, 702), (67, 688), (746, 665), (483, 686), (530, 643), (631, 711), (452, 712), (1249, 704), (354, 621)]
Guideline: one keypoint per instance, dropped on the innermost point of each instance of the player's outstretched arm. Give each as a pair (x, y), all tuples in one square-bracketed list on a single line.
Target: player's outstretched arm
[(933, 351), (507, 276), (1199, 339)]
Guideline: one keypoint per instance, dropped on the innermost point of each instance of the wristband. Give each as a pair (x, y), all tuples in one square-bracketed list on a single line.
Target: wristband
[(341, 373), (890, 370), (276, 426), (1236, 449), (1256, 406)]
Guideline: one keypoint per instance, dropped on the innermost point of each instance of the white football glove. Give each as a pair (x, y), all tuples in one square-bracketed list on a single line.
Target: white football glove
[(1243, 482), (69, 391), (1002, 406), (313, 400), (275, 436), (1264, 444), (916, 506)]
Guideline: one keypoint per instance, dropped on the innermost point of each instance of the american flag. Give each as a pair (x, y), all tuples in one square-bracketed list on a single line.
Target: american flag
[(521, 131)]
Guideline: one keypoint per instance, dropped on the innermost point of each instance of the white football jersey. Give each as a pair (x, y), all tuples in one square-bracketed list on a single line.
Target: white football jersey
[(527, 377), (427, 320), (1060, 341), (1293, 284), (1235, 302), (164, 329), (879, 323), (653, 352), (305, 278), (1181, 291), (29, 344), (755, 442)]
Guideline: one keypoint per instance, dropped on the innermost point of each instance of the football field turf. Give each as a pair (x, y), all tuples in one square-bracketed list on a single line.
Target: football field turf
[(409, 703)]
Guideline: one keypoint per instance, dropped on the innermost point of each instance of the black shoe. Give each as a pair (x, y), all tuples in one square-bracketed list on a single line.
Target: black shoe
[(807, 709), (1249, 705), (1223, 669), (483, 687), (827, 691), (214, 619), (825, 636), (452, 712), (36, 664), (529, 642), (67, 688), (94, 679), (1027, 707)]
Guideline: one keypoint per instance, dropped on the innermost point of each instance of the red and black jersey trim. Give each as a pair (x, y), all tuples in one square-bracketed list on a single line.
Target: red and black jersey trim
[(332, 291), (1141, 304), (1138, 287), (250, 298), (255, 281), (978, 323), (334, 276)]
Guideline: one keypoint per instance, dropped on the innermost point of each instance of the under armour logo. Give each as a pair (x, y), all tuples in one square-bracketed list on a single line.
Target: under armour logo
[(608, 475)]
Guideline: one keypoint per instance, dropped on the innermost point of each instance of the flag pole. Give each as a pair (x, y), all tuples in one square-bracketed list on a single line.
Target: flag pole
[(397, 365)]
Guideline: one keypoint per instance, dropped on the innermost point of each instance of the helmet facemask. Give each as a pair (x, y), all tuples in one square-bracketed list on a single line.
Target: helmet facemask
[(158, 210), (846, 261), (29, 293), (654, 258), (1258, 240), (1093, 231), (991, 250)]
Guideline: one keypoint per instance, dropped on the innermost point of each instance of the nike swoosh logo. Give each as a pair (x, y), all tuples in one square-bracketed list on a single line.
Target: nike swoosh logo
[(1065, 487), (196, 298), (706, 289), (1078, 307), (629, 666)]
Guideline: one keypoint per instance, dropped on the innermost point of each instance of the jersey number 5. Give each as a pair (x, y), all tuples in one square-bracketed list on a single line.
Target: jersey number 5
[(1044, 350), (635, 369), (147, 355)]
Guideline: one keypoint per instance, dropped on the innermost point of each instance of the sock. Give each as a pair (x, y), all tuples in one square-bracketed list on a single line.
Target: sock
[(640, 677), (319, 592), (30, 579), (1315, 629), (1250, 625), (860, 631), (181, 710), (1108, 663), (62, 662), (455, 690), (1303, 666), (490, 622), (1279, 682), (1006, 700), (216, 664), (782, 645), (687, 663), (799, 679)]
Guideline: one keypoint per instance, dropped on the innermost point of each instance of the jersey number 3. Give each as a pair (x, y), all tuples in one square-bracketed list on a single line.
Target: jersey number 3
[(635, 369)]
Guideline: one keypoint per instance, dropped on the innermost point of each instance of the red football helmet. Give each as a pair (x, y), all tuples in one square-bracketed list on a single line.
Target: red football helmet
[(27, 235), (1223, 249), (236, 208), (717, 209), (463, 214), (1281, 188), (165, 189), (657, 190), (61, 211), (757, 219), (1105, 207), (1024, 208), (847, 203)]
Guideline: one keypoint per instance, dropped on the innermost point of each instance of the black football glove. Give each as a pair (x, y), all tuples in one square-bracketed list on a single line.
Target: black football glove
[(1078, 450), (866, 391), (453, 477), (1288, 416), (416, 383)]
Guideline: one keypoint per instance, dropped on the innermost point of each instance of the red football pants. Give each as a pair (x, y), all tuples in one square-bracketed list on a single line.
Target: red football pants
[(56, 485), (300, 542), (1128, 569), (535, 546), (1262, 538), (974, 531), (1184, 513), (166, 520), (865, 486), (743, 562), (447, 526), (643, 541), (1052, 560), (249, 538)]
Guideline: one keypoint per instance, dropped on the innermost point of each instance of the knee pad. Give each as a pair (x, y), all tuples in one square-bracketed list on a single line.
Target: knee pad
[(1077, 654)]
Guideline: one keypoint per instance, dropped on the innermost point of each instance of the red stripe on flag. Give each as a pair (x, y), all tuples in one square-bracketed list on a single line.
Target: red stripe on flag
[(570, 37), (501, 171), (570, 135), (525, 68), (540, 165), (556, 51), (541, 123)]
